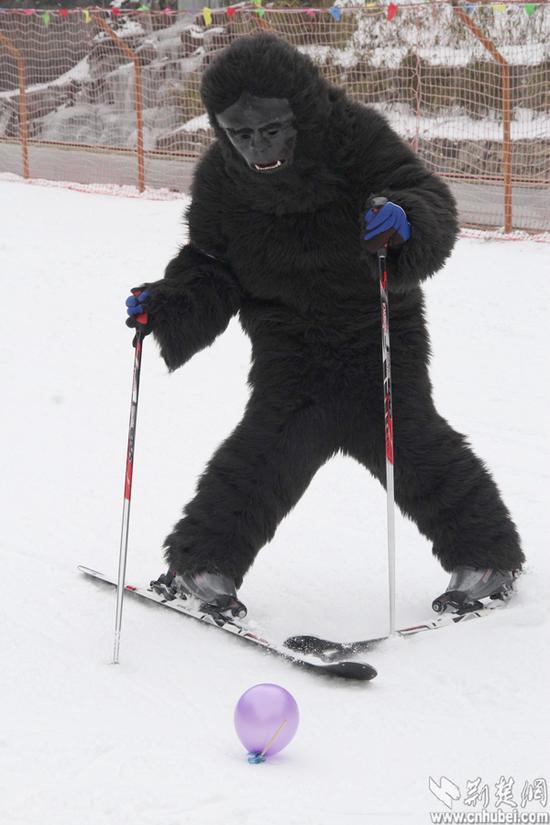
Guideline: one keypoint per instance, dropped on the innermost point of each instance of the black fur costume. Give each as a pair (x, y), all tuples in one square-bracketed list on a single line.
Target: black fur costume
[(285, 251)]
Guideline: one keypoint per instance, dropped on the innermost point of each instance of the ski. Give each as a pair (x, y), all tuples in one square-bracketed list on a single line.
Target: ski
[(334, 651), (357, 671)]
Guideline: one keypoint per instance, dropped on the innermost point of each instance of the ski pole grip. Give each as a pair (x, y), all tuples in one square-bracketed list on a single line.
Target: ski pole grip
[(377, 202), (143, 318)]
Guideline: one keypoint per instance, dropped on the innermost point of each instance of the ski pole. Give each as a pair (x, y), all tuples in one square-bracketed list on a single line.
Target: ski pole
[(376, 204), (123, 552)]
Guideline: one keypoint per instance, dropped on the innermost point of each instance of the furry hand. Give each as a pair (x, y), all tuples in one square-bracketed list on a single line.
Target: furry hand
[(387, 226)]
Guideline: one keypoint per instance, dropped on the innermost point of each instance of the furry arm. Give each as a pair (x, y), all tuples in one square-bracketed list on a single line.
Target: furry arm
[(396, 172), (191, 305)]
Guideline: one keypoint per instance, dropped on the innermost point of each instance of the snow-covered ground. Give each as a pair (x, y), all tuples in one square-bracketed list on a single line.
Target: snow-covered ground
[(83, 742)]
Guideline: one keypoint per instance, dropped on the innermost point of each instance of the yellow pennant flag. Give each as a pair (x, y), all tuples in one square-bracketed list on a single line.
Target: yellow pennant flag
[(207, 14), (498, 7), (86, 14)]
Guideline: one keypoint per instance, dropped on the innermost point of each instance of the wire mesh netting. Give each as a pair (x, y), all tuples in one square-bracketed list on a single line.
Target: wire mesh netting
[(107, 98)]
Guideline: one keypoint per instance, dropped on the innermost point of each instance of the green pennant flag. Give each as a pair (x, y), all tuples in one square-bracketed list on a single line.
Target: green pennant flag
[(530, 8), (46, 18)]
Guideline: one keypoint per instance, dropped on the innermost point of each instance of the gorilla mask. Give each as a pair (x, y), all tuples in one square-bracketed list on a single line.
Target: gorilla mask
[(262, 131)]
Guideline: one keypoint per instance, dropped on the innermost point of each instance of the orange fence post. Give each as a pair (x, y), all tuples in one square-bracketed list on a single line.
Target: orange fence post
[(506, 113), (418, 97), (127, 51), (23, 123)]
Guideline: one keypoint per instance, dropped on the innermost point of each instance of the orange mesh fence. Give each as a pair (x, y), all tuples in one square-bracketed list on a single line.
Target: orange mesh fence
[(112, 98)]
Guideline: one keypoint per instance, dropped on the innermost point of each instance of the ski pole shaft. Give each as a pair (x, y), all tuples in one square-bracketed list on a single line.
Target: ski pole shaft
[(378, 203), (388, 429), (123, 551)]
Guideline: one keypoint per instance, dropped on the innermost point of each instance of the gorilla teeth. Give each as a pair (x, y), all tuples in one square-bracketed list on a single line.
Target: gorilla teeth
[(268, 166)]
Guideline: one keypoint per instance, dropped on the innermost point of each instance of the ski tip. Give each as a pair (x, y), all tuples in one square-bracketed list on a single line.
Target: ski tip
[(356, 671), (89, 571)]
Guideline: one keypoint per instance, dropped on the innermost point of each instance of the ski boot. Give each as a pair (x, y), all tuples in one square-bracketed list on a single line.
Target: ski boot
[(468, 585), (215, 592)]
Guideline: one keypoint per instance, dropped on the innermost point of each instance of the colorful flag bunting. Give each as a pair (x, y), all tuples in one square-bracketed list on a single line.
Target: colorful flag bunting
[(335, 11)]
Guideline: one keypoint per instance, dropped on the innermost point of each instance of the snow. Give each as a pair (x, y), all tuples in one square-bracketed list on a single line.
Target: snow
[(435, 35), (200, 123), (80, 71), (151, 741), (455, 125), (126, 28)]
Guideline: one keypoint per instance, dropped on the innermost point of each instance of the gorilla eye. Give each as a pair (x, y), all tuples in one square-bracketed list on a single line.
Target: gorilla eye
[(234, 133), (272, 129)]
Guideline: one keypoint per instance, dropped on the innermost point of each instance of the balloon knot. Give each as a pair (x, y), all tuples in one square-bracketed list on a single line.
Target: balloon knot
[(255, 758)]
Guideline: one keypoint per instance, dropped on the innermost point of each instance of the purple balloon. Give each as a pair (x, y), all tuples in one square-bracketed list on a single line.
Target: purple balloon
[(263, 712)]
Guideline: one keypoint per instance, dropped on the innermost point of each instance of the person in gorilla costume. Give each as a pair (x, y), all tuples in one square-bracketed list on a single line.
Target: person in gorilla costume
[(281, 233)]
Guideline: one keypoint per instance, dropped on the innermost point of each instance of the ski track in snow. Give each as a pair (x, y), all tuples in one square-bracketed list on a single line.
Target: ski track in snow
[(152, 741)]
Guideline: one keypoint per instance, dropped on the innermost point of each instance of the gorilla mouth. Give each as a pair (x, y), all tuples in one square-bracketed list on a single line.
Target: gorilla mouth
[(268, 167)]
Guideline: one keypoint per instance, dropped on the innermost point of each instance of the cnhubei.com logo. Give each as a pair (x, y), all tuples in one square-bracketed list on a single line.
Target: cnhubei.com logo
[(502, 801)]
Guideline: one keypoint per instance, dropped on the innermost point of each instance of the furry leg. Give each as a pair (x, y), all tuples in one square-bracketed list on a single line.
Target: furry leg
[(445, 489), (253, 480)]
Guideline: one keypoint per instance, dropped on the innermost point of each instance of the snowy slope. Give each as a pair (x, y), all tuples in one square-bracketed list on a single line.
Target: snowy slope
[(83, 742)]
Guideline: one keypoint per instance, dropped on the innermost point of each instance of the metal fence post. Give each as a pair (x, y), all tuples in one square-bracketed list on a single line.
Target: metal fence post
[(506, 113), (127, 51), (22, 104)]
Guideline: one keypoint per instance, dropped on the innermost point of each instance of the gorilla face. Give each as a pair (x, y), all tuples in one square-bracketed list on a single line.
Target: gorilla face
[(262, 131)]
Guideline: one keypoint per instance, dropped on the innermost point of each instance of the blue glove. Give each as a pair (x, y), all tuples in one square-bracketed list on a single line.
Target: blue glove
[(386, 226), (136, 304)]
